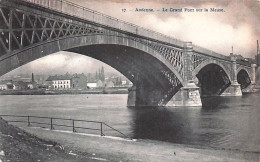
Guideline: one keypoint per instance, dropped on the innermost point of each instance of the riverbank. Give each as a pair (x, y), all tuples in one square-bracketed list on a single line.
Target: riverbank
[(18, 145), (60, 92), (27, 144)]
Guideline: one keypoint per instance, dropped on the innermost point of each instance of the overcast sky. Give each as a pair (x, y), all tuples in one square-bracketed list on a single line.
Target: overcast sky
[(238, 26)]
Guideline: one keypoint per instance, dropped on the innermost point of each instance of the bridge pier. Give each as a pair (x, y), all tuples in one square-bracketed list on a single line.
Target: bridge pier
[(254, 75), (131, 100), (234, 89), (188, 96), (252, 86)]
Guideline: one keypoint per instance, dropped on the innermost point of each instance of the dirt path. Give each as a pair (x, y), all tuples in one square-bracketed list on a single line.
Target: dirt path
[(115, 149)]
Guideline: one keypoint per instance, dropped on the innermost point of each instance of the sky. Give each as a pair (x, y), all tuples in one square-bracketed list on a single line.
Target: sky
[(237, 26)]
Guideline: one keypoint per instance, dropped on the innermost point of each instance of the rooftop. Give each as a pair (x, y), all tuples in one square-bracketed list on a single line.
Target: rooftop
[(59, 77)]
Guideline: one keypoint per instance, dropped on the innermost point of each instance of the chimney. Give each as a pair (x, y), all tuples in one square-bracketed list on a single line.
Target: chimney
[(257, 54), (33, 78)]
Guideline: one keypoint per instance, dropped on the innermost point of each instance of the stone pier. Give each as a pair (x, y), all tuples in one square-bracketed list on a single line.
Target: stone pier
[(188, 96), (252, 86), (234, 89), (131, 100)]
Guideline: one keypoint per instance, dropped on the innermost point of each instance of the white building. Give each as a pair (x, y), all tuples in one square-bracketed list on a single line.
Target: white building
[(92, 85), (3, 87), (123, 82), (60, 82), (6, 84)]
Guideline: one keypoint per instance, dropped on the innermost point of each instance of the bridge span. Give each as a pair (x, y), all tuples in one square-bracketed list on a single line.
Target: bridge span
[(164, 70)]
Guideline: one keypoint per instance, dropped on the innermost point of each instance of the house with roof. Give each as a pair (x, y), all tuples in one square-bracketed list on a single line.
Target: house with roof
[(109, 84), (20, 85), (59, 82), (67, 81), (6, 84), (79, 81)]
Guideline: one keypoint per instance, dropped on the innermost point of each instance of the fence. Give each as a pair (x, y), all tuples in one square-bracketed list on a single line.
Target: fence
[(56, 123)]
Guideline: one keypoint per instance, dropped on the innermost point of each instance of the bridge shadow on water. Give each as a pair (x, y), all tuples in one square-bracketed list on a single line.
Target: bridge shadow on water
[(193, 126), (176, 125)]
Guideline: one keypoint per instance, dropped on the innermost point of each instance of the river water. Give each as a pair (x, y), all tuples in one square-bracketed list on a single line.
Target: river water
[(222, 122)]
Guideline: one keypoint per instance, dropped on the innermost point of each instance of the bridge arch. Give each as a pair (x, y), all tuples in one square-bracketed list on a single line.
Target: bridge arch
[(16, 59), (243, 77), (207, 62), (213, 78), (138, 62)]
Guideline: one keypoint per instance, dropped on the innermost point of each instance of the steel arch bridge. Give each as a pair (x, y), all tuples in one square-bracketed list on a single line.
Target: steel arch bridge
[(161, 68)]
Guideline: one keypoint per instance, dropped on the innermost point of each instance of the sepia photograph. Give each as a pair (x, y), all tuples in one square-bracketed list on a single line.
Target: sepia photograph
[(129, 80)]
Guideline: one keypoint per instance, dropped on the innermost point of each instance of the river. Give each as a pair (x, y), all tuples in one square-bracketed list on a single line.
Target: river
[(222, 122)]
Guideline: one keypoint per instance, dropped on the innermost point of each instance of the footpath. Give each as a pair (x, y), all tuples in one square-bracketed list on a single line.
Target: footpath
[(37, 144), (118, 149)]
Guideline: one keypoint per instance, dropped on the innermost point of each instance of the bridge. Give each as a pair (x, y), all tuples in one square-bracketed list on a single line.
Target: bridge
[(163, 70)]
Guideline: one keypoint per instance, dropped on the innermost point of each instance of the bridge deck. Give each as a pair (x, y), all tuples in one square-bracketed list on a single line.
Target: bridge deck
[(103, 19)]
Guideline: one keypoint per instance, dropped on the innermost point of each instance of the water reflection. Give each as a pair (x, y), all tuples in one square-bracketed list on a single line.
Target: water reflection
[(173, 125), (223, 122)]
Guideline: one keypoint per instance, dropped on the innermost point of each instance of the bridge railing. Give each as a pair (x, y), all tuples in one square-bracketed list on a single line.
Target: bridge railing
[(244, 62), (97, 17), (73, 9), (202, 50), (73, 125)]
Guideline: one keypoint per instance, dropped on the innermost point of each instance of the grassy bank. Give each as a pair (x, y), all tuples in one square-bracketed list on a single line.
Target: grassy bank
[(17, 145)]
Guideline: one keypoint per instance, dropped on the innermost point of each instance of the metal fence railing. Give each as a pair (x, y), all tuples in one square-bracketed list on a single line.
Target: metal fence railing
[(73, 125)]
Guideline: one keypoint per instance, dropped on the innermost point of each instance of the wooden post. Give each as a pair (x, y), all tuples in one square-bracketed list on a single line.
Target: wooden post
[(28, 120), (101, 129), (73, 126), (51, 124)]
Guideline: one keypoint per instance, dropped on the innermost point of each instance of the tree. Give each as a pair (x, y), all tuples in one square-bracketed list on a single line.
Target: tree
[(99, 74), (96, 77), (102, 78)]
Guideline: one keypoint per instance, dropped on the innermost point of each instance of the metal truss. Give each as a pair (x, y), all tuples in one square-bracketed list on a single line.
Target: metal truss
[(19, 29), (175, 84), (196, 60), (174, 56)]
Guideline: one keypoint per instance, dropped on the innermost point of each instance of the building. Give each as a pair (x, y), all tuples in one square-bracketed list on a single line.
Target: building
[(32, 84), (67, 81), (92, 85), (20, 85), (110, 84), (3, 86), (124, 82), (100, 84), (59, 82), (79, 81), (6, 84)]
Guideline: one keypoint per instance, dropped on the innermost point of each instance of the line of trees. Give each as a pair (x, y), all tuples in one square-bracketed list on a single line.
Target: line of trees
[(100, 75)]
